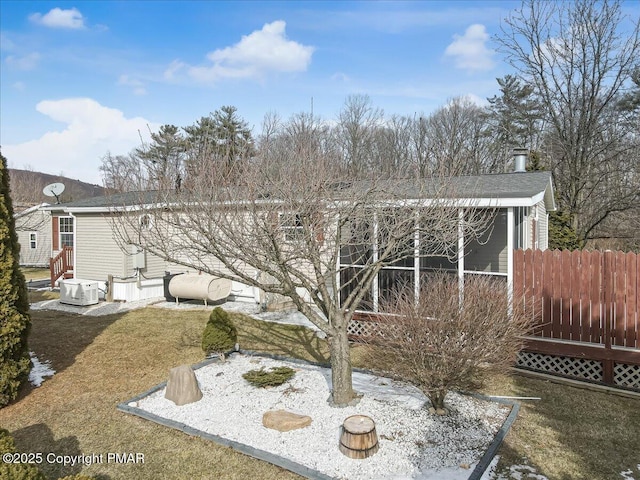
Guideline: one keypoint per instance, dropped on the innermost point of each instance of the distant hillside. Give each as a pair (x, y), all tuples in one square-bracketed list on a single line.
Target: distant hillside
[(26, 188)]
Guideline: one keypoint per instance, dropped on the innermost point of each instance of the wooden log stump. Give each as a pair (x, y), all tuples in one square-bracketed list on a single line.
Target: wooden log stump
[(358, 437)]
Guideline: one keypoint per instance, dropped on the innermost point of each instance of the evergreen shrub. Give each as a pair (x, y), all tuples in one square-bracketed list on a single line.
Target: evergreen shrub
[(16, 471), (15, 322), (220, 334), (273, 377)]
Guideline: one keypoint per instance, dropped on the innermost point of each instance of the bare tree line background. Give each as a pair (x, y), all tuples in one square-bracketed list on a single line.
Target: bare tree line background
[(573, 100)]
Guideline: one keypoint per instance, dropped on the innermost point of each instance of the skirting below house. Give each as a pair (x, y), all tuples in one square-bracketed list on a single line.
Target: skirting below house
[(624, 375), (131, 290)]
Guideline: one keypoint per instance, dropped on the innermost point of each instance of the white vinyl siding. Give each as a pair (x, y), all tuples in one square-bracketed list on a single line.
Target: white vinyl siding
[(154, 265), (97, 252), (542, 230)]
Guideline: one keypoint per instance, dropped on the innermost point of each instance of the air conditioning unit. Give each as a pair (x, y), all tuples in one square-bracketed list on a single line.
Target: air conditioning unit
[(78, 292)]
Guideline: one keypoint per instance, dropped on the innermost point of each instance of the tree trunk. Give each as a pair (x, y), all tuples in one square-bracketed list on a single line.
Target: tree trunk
[(437, 398), (342, 389)]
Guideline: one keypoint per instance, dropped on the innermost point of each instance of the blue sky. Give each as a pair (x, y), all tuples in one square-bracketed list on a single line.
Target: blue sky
[(78, 79)]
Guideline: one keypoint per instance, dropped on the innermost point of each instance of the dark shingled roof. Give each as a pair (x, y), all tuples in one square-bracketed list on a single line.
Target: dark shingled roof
[(114, 200), (502, 185)]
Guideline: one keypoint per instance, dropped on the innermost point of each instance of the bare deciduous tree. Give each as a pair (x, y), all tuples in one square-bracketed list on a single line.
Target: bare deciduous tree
[(357, 124), (295, 225), (441, 344), (579, 57), (123, 173), (457, 139)]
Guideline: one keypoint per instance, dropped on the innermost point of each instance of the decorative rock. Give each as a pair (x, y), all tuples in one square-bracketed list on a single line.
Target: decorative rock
[(182, 386), (441, 411), (466, 466), (284, 421), (432, 410)]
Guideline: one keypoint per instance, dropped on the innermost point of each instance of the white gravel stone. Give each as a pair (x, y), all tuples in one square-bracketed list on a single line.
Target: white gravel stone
[(413, 443)]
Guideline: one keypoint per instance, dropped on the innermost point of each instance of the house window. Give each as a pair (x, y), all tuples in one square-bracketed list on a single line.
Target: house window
[(435, 251), (66, 231), (145, 222), (488, 253), (292, 226), (399, 273), (520, 217), (357, 247), (438, 252), (33, 240), (356, 251)]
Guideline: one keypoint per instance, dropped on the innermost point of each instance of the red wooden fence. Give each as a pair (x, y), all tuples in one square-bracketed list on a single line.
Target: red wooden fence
[(587, 303)]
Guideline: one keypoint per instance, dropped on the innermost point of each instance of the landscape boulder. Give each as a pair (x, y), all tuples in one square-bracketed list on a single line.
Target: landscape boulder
[(284, 421), (182, 386)]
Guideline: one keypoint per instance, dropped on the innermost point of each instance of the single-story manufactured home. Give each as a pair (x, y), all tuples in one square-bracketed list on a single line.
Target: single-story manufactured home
[(33, 227), (519, 203)]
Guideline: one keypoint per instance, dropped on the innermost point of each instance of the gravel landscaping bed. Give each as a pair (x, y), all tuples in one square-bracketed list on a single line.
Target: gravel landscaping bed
[(413, 442)]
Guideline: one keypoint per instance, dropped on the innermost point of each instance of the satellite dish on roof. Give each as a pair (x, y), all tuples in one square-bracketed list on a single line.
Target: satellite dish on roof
[(54, 190)]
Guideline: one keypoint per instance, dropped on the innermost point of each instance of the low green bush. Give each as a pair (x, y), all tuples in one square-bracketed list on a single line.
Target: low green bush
[(15, 471), (271, 378), (220, 334)]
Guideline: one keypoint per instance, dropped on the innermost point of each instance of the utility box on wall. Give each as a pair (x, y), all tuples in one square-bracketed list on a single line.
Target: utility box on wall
[(138, 257), (78, 292)]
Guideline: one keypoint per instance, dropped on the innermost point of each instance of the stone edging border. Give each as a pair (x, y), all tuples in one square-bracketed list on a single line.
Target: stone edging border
[(285, 463)]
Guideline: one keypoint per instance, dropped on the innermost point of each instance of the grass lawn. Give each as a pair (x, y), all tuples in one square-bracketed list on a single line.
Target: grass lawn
[(32, 273), (101, 361)]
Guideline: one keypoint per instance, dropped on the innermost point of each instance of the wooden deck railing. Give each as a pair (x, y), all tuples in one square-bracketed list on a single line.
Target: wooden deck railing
[(61, 265)]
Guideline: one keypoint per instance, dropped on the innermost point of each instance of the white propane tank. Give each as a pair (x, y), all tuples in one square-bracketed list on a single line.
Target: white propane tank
[(199, 287)]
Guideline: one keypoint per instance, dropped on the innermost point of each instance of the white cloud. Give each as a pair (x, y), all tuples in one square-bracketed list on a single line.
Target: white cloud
[(173, 69), (137, 85), (260, 52), (6, 44), (470, 51), (340, 77), (26, 62), (475, 99), (58, 18), (91, 130)]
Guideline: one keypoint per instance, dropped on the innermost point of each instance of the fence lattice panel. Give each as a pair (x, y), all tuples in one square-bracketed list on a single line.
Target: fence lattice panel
[(587, 308), (582, 296)]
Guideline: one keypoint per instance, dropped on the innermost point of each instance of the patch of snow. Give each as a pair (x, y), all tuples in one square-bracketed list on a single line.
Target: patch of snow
[(629, 474), (39, 371), (524, 472), (413, 443), (490, 472), (516, 472), (102, 308)]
